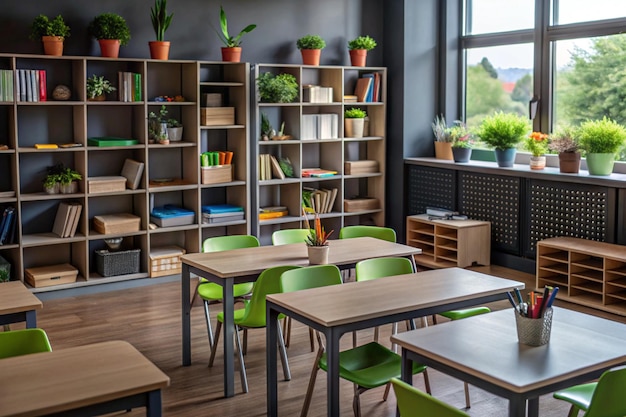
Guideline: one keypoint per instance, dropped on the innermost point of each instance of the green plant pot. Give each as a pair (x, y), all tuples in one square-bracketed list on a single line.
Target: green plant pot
[(600, 163), (505, 157)]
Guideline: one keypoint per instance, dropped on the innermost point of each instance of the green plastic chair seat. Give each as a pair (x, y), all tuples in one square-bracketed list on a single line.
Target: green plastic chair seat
[(212, 291), (465, 313), (23, 342), (415, 403), (369, 366), (579, 395), (378, 232)]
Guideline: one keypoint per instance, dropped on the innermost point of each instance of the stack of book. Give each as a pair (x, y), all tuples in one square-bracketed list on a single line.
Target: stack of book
[(6, 85), (317, 173), (320, 126), (220, 213), (318, 201), (129, 86), (367, 89), (317, 94), (8, 226), (66, 220), (31, 85), (272, 212), (269, 168)]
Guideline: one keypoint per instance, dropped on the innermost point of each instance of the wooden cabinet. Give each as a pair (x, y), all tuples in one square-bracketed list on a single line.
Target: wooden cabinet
[(449, 243), (327, 148), (587, 272), (171, 173)]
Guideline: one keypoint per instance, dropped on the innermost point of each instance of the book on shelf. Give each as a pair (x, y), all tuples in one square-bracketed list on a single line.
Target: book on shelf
[(361, 89), (132, 171), (7, 226), (66, 220), (277, 172), (317, 173), (43, 94), (318, 201), (369, 97), (272, 212)]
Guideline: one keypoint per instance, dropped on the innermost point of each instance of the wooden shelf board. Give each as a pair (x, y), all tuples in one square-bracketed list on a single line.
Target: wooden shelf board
[(44, 239), (428, 261)]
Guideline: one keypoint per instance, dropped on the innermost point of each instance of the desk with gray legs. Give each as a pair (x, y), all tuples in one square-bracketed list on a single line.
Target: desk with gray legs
[(18, 304)]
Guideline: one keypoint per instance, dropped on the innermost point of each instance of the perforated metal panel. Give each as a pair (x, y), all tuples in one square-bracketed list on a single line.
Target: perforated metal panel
[(495, 199), (430, 187), (564, 209)]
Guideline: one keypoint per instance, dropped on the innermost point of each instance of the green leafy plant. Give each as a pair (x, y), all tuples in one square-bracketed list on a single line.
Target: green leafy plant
[(281, 88), (68, 175), (564, 140), (362, 42), (51, 180), (317, 235), (98, 85), (354, 113), (225, 37), (311, 42), (42, 26), (503, 130), (537, 143), (109, 26), (440, 129), (601, 136), (155, 130), (4, 275), (460, 135), (286, 166), (60, 174), (160, 19), (173, 123)]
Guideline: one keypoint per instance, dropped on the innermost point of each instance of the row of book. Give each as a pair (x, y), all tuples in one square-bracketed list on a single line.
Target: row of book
[(320, 126), (31, 85), (318, 200), (129, 86), (317, 94), (367, 89), (6, 85), (66, 220), (8, 226), (269, 168)]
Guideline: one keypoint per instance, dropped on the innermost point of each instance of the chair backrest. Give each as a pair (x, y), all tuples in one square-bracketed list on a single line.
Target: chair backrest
[(608, 397), (23, 342), (286, 236), (384, 233), (267, 283), (310, 277), (382, 267), (220, 243), (415, 403)]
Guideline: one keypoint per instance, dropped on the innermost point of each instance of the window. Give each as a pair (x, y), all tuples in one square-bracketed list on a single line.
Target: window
[(488, 16)]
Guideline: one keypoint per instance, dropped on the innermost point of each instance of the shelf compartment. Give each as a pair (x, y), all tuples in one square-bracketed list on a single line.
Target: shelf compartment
[(587, 261), (553, 281), (558, 268)]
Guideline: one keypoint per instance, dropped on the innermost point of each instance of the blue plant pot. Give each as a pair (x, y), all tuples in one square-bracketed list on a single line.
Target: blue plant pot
[(505, 157), (461, 154)]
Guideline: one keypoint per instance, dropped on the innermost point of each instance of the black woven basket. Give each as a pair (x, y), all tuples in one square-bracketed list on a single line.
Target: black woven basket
[(117, 263)]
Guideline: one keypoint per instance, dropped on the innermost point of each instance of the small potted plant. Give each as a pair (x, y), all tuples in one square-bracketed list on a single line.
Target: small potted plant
[(98, 87), (601, 140), (316, 241), (503, 131), (231, 51), (52, 184), (157, 126), (51, 32), (354, 122), (358, 48), (310, 47), (160, 48), (461, 142), (537, 144), (68, 179), (174, 130), (443, 139), (564, 143), (111, 31), (281, 88)]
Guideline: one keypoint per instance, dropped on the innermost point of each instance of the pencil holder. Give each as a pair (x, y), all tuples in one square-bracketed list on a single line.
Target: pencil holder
[(534, 332)]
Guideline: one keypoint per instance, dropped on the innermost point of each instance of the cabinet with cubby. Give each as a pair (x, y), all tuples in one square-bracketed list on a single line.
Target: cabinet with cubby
[(587, 272), (310, 133), (171, 173)]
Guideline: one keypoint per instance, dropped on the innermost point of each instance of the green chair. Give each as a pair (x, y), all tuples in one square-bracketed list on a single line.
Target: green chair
[(414, 403), (253, 317), (384, 233), (23, 342), (287, 236), (604, 398), (212, 293), (367, 366)]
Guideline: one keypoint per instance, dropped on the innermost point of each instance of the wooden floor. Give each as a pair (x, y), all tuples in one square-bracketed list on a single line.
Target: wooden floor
[(149, 318)]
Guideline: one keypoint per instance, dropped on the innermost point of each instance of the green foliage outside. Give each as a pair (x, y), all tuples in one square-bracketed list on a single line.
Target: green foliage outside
[(488, 67)]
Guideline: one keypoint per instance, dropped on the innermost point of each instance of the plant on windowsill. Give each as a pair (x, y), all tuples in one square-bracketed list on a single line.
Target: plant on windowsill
[(601, 139), (564, 142), (231, 51), (443, 139), (98, 87), (537, 144), (503, 131), (310, 47), (161, 21), (358, 48), (462, 141), (51, 32)]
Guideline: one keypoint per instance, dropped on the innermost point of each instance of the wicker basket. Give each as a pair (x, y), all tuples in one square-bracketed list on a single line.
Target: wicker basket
[(117, 263), (534, 332)]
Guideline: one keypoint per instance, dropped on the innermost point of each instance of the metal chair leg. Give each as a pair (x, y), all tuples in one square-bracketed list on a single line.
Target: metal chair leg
[(467, 396), (356, 403), (309, 390), (283, 354), (218, 328), (242, 367), (427, 381), (387, 388), (208, 323)]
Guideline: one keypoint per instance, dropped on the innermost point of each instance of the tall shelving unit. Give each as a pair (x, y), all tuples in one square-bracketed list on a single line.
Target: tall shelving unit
[(22, 167), (326, 153)]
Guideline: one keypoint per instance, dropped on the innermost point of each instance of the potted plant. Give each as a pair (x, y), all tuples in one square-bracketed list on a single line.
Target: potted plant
[(461, 142), (160, 48), (503, 131), (354, 120), (111, 31), (51, 32), (565, 144), (174, 130), (443, 140), (281, 88), (68, 179), (358, 48), (98, 87), (537, 144), (157, 126), (316, 241), (601, 139), (52, 184), (310, 47), (231, 51)]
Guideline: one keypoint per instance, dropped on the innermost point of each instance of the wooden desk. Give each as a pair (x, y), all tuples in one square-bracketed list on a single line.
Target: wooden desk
[(85, 380), (338, 309), (18, 304), (244, 265), (484, 351)]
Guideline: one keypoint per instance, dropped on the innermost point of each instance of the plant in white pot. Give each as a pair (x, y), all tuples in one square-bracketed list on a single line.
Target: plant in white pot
[(174, 130), (354, 122), (537, 144), (503, 132), (601, 140), (316, 241)]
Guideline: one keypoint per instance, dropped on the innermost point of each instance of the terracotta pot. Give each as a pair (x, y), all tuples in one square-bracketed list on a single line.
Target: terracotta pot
[(159, 50), (231, 54), (569, 162), (109, 48), (358, 57), (318, 255), (354, 128), (537, 162), (52, 45), (101, 97), (443, 150), (311, 56)]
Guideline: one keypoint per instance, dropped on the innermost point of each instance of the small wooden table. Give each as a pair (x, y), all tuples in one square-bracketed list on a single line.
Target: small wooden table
[(18, 304), (338, 309), (244, 265), (85, 380), (484, 351)]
